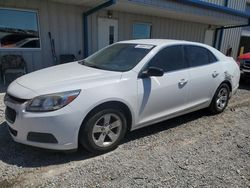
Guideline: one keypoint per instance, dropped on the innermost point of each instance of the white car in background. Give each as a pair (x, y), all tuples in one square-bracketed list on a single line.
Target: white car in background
[(126, 86), (24, 43), (28, 43)]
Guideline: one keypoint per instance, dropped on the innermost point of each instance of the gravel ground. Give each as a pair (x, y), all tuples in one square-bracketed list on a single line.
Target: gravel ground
[(195, 150)]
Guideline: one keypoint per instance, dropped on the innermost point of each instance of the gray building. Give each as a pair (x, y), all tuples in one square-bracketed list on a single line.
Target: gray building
[(81, 27)]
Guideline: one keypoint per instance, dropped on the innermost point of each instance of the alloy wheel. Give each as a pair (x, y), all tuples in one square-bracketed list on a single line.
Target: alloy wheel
[(107, 130), (222, 98)]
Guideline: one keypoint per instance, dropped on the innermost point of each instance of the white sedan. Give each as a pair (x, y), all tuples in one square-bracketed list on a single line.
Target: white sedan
[(123, 87)]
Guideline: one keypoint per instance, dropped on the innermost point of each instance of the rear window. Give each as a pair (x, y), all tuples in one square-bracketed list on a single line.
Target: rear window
[(212, 57)]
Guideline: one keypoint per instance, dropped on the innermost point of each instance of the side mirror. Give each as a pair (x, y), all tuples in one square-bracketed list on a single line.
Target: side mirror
[(152, 71)]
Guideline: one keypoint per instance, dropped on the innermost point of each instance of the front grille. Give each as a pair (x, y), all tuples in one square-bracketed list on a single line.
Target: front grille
[(13, 99), (12, 131), (10, 114), (246, 64)]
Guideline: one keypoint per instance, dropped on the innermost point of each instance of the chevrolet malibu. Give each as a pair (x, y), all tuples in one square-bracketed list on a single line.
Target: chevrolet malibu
[(126, 86)]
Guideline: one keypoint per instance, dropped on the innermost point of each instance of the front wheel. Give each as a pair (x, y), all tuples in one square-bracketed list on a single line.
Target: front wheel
[(103, 130), (220, 99)]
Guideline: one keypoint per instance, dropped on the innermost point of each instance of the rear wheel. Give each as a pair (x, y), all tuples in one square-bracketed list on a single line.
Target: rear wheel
[(220, 99), (103, 130)]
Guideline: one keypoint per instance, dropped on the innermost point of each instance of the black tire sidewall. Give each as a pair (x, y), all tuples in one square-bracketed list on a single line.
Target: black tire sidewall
[(85, 136)]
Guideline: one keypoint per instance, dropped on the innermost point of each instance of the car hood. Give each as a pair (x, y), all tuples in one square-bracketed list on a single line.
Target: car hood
[(61, 78)]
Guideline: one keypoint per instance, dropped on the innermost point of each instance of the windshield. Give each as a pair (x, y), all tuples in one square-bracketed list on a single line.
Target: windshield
[(119, 57)]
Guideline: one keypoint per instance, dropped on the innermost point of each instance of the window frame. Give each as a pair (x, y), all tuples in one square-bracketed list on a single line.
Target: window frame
[(38, 27), (142, 23), (197, 46)]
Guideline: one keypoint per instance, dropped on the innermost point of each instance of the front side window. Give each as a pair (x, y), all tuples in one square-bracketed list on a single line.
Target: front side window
[(118, 57), (18, 29), (141, 31), (169, 59), (198, 56)]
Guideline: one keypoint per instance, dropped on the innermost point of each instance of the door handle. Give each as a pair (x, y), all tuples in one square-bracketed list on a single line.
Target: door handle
[(215, 74), (183, 82)]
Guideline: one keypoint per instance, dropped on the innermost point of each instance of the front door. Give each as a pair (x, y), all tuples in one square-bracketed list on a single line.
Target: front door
[(167, 95), (107, 32)]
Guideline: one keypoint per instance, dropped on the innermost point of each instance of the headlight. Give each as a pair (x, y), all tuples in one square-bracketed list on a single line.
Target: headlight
[(51, 102)]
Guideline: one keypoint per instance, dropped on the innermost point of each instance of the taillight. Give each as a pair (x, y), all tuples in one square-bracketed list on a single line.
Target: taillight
[(239, 62)]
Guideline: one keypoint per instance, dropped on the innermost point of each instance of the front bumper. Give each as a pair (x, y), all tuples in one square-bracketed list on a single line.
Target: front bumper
[(245, 74), (57, 130)]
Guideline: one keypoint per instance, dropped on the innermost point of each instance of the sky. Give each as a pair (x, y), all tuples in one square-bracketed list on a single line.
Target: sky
[(18, 19)]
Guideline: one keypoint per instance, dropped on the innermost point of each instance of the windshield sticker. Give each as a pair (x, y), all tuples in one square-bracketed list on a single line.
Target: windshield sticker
[(143, 46)]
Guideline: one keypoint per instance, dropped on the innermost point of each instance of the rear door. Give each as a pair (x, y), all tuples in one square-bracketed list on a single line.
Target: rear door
[(205, 72), (166, 95)]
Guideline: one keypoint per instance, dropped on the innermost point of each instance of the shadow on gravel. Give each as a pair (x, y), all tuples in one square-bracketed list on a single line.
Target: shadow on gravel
[(25, 156), (165, 125)]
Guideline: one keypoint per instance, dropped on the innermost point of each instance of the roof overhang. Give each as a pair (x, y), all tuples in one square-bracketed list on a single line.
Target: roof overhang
[(182, 11), (216, 7), (87, 3), (188, 10)]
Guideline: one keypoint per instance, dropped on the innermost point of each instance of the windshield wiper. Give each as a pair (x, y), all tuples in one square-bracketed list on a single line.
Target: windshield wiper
[(83, 62), (93, 66)]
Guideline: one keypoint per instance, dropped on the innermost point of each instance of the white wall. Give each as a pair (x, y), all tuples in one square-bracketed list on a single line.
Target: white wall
[(161, 28)]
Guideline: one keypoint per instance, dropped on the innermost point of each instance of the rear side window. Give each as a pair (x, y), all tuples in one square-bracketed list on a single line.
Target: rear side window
[(212, 58), (169, 59), (198, 56)]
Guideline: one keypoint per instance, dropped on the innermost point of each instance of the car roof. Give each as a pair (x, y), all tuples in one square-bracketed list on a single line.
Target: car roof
[(159, 42), (167, 42)]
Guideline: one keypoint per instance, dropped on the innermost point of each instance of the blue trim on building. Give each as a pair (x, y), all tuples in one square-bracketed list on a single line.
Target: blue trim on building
[(215, 7), (222, 30), (85, 23)]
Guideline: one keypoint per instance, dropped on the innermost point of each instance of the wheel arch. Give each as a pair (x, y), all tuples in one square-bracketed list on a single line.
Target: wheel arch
[(127, 110), (228, 83), (224, 82)]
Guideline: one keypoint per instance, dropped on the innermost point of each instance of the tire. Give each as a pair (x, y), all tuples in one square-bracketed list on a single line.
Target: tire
[(220, 99), (103, 130)]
